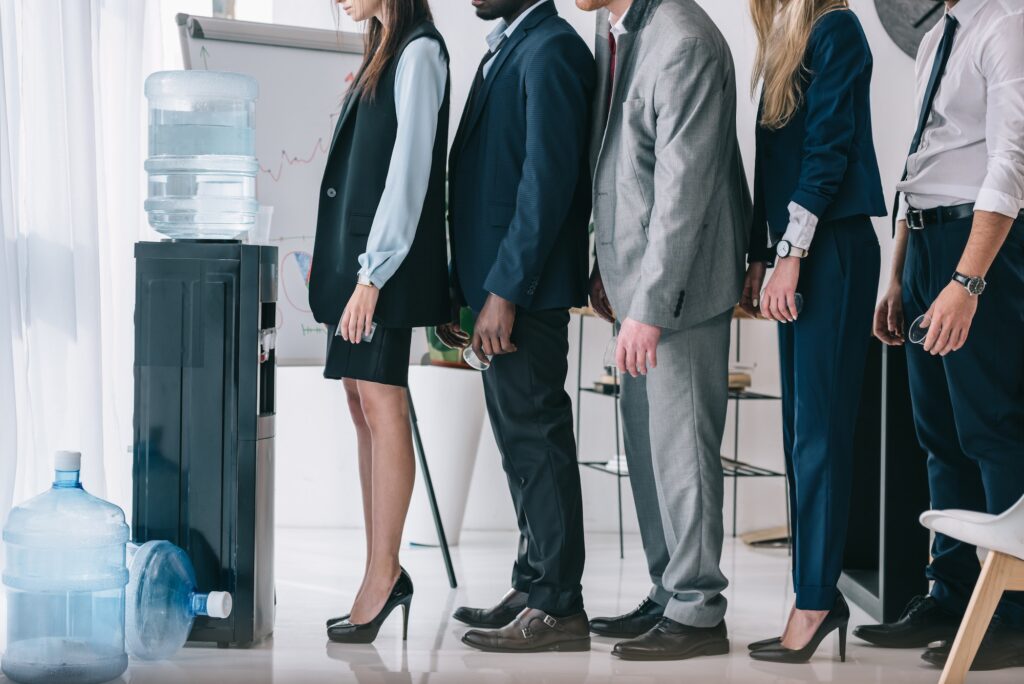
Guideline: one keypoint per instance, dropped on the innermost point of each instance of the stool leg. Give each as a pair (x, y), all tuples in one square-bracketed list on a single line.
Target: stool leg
[(994, 576)]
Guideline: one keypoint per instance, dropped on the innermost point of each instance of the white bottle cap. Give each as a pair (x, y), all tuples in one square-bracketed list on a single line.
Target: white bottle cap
[(218, 604), (68, 461)]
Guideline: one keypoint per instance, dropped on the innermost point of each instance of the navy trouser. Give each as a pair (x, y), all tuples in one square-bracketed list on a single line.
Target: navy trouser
[(822, 360), (969, 405)]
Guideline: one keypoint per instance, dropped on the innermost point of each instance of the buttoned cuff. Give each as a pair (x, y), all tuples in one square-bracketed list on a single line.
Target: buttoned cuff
[(997, 202), (801, 228)]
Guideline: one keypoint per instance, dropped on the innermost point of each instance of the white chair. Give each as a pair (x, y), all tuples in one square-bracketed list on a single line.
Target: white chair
[(1003, 536)]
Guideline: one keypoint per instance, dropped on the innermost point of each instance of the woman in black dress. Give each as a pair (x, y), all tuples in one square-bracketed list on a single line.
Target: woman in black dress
[(380, 269)]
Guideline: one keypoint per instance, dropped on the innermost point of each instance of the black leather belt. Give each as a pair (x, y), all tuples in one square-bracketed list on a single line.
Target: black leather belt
[(919, 219)]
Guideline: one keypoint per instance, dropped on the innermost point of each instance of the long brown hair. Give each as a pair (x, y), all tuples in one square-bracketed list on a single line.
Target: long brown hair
[(382, 40), (783, 29)]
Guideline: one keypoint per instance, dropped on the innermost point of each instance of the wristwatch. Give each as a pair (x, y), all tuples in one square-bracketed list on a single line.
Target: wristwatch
[(975, 285), (785, 248)]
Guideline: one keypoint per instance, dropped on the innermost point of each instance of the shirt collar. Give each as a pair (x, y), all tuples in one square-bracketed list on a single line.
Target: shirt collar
[(965, 10), (619, 29), (504, 30)]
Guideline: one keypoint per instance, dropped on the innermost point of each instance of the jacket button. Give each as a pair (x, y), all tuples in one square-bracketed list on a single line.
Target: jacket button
[(331, 192)]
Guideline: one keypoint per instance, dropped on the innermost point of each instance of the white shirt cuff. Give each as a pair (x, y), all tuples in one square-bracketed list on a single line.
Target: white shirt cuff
[(802, 224), (901, 213), (997, 202)]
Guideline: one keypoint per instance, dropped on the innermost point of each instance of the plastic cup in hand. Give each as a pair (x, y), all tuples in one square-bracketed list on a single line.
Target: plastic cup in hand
[(474, 361), (610, 353), (919, 329), (798, 299)]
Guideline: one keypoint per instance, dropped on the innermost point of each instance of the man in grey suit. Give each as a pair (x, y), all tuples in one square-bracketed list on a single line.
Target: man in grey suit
[(672, 211)]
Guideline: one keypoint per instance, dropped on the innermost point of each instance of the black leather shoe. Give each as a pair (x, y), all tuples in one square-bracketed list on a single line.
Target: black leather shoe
[(630, 625), (513, 603), (671, 640), (347, 632), (922, 623), (1001, 648), (837, 619)]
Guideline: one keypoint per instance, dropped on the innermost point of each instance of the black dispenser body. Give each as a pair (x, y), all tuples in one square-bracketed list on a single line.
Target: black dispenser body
[(205, 319)]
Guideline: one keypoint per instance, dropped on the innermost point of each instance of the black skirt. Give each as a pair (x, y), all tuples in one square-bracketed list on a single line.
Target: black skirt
[(384, 359)]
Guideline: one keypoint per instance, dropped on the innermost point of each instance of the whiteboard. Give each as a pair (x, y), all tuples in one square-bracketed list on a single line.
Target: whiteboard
[(303, 74)]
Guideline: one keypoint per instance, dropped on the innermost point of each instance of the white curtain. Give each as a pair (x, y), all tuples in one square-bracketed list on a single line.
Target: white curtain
[(72, 144)]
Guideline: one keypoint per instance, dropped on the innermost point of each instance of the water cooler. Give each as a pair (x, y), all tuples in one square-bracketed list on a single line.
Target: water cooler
[(204, 420)]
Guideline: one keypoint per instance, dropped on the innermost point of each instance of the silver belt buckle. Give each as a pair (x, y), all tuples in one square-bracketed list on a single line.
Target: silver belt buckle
[(915, 219)]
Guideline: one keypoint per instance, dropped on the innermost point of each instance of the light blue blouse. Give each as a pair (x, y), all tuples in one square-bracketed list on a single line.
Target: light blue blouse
[(420, 83)]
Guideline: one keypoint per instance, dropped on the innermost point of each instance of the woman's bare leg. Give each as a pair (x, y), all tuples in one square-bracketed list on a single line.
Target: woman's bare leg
[(365, 448), (393, 474)]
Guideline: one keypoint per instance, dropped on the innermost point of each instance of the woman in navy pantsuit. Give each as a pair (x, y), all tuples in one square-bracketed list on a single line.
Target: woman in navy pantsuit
[(817, 184)]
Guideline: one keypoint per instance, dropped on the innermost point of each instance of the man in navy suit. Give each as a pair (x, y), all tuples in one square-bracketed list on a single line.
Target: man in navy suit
[(519, 206)]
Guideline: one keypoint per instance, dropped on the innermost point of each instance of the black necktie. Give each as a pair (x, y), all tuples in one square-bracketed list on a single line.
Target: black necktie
[(938, 69), (478, 83)]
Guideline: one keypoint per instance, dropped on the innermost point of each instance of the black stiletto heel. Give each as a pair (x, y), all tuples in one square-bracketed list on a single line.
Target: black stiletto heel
[(837, 619), (347, 632), (842, 642)]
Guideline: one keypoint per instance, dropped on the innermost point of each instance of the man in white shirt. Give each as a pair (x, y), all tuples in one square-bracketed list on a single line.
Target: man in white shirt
[(959, 269)]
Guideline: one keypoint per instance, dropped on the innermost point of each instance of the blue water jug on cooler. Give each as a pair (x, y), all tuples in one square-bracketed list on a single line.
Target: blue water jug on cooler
[(65, 578), (162, 601)]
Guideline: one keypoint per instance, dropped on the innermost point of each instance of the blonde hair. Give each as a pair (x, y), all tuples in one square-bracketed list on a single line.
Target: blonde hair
[(783, 29)]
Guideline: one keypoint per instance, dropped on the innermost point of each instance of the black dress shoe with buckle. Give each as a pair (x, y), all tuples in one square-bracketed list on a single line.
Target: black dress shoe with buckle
[(630, 625), (922, 623), (533, 631), (671, 640), (513, 603), (1001, 648)]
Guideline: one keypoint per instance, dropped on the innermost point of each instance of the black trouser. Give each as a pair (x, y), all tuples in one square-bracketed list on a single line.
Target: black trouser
[(969, 405), (531, 416), (822, 358)]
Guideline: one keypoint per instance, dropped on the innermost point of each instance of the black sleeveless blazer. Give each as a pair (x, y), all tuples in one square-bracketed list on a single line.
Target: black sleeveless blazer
[(357, 168)]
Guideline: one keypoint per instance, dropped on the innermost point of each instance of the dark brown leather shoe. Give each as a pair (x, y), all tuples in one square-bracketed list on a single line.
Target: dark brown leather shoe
[(534, 631), (512, 604), (671, 640)]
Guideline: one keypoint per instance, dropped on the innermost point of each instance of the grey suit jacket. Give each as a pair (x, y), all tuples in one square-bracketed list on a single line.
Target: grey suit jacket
[(672, 208)]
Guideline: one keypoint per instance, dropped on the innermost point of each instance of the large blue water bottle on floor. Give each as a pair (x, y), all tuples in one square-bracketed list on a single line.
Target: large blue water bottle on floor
[(162, 600), (65, 576)]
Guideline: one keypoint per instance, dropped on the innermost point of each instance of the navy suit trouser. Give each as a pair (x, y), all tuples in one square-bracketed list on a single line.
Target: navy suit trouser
[(822, 358), (969, 405)]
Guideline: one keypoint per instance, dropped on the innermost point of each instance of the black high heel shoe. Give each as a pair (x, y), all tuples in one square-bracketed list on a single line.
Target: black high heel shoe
[(837, 619), (347, 632)]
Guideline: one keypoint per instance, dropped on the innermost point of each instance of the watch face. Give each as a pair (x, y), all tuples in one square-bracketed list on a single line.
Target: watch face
[(906, 21), (783, 249), (975, 285)]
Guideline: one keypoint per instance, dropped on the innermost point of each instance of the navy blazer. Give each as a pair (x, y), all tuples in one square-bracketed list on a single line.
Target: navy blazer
[(519, 178), (824, 158)]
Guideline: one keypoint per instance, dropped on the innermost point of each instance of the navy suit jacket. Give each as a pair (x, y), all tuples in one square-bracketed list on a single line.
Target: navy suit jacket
[(519, 178), (824, 158)]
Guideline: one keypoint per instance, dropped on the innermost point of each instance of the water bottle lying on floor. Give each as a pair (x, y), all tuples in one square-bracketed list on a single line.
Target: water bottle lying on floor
[(162, 601)]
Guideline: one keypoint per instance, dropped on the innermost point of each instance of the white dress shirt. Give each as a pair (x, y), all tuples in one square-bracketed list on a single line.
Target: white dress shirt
[(972, 149), (619, 27), (420, 81), (503, 31)]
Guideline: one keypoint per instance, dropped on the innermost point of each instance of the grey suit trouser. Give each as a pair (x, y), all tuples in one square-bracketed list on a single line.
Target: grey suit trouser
[(673, 420)]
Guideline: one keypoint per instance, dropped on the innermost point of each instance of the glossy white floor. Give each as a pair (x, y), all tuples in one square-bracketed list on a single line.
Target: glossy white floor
[(317, 571)]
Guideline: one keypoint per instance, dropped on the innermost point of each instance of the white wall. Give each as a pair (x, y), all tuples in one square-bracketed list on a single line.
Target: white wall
[(317, 481)]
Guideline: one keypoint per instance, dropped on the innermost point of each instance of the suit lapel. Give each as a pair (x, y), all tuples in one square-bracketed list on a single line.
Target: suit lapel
[(603, 56), (347, 105), (478, 100), (626, 49)]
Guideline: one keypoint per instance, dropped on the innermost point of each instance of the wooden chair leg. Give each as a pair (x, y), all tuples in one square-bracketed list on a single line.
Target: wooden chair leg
[(995, 574)]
